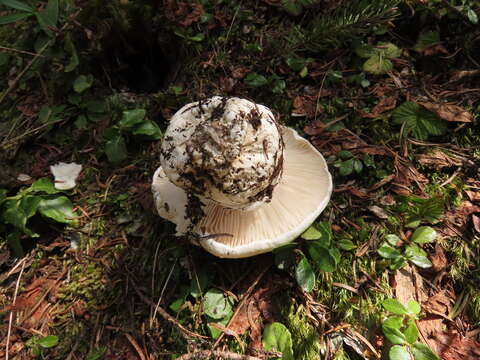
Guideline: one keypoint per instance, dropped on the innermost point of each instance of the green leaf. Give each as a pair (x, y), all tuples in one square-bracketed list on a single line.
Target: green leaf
[(48, 18), (18, 211), (58, 208), (215, 332), (414, 250), (418, 121), (392, 239), (320, 231), (48, 341), (346, 167), (398, 263), (394, 306), (391, 330), (284, 256), (82, 83), (255, 80), (297, 63), (17, 5), (15, 244), (423, 352), (426, 40), (388, 252), (398, 352), (216, 304), (365, 51), (325, 260), (424, 235), (7, 19), (305, 275), (116, 149), (44, 185), (390, 50), (421, 261), (413, 307), (346, 244), (472, 16), (377, 65), (199, 282), (277, 337), (344, 154), (148, 128), (357, 165), (130, 118), (97, 353), (411, 332), (278, 86)]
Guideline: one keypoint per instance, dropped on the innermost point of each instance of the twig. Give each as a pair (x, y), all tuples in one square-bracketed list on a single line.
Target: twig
[(135, 346), (215, 353), (241, 304), (166, 316), (19, 51), (450, 179), (10, 319)]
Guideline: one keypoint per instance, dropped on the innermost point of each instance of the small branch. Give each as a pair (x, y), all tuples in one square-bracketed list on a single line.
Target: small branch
[(204, 354), (10, 319), (166, 316)]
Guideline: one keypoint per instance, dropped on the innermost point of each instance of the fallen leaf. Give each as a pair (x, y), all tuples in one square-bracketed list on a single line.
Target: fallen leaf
[(240, 72), (473, 195), (453, 346), (385, 104), (448, 112), (378, 211), (438, 259), (226, 84), (438, 159), (441, 303), (476, 222)]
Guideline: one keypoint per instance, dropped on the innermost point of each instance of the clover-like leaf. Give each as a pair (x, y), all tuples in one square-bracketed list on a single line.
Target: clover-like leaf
[(277, 337)]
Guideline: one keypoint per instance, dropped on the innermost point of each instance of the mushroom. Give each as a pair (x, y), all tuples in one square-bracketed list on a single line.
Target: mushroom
[(237, 180), (65, 175)]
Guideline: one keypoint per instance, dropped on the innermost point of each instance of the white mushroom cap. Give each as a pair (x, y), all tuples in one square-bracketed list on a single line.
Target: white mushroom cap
[(301, 195), (65, 175), (225, 150)]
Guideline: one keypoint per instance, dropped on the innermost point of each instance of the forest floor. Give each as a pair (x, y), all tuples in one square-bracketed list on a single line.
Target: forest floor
[(388, 91)]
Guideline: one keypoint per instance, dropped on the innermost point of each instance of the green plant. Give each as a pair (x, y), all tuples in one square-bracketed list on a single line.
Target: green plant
[(42, 198), (321, 252), (347, 163), (47, 18), (276, 336), (378, 57), (132, 122), (411, 252), (275, 83), (38, 344), (402, 332), (348, 21), (420, 210), (418, 121)]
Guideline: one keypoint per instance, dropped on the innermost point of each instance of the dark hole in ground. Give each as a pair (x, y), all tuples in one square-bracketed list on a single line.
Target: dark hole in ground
[(140, 60)]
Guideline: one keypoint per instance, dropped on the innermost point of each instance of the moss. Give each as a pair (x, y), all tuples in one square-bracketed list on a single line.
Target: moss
[(305, 338)]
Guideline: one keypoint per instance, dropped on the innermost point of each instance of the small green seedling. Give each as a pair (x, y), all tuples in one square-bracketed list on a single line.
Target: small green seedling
[(347, 163), (132, 122), (275, 83), (402, 332), (378, 57), (319, 251), (411, 252), (39, 344)]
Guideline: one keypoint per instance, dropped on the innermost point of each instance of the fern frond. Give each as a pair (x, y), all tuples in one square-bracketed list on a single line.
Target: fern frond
[(352, 19)]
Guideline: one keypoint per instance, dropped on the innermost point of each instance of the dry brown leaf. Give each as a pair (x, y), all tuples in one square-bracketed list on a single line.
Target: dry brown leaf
[(226, 84), (378, 211), (448, 112), (441, 303), (435, 49), (438, 160), (453, 346), (476, 222), (438, 259), (240, 72), (473, 195), (385, 104)]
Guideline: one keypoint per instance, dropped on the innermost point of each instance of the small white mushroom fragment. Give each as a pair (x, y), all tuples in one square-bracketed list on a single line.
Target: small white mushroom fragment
[(65, 175), (239, 181)]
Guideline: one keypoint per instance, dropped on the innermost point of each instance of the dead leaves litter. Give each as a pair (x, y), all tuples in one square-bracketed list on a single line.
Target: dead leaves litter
[(448, 112)]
